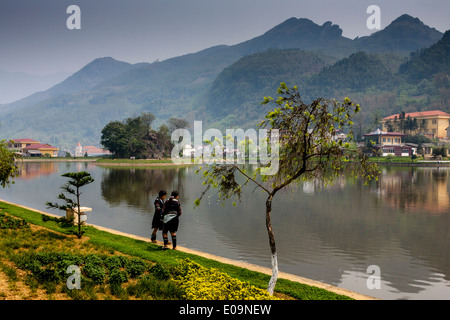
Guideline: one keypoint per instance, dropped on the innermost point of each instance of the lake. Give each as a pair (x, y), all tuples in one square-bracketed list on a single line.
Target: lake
[(401, 224)]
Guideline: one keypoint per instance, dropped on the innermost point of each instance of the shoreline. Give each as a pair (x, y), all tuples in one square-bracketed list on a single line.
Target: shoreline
[(124, 164), (141, 163), (245, 265)]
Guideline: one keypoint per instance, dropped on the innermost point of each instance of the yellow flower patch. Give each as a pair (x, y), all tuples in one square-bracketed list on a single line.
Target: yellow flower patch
[(200, 283)]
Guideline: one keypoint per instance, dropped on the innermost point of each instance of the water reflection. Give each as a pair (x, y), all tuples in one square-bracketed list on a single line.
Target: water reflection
[(138, 187), (414, 190), (34, 170), (400, 223)]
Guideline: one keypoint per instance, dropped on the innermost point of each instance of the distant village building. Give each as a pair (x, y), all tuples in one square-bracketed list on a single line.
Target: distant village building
[(79, 151), (90, 151), (18, 144), (41, 150), (390, 143), (32, 148), (437, 122)]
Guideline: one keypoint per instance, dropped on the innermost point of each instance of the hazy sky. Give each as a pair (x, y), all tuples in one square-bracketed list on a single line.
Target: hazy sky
[(34, 37)]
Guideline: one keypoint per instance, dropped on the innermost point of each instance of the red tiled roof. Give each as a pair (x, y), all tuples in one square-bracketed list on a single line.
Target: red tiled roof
[(421, 114), (39, 146), (25, 140), (92, 149)]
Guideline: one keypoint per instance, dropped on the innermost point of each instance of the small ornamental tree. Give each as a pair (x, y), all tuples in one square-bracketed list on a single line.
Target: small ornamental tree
[(72, 187), (307, 151)]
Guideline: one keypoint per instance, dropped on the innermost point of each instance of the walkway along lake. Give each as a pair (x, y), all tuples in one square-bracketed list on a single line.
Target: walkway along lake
[(400, 224)]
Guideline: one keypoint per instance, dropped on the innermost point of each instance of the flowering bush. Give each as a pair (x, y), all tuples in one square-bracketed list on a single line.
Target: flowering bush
[(200, 283)]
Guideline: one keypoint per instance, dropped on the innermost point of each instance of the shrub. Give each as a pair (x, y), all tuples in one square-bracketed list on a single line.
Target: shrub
[(135, 267), (115, 262), (7, 222), (159, 272), (148, 287), (94, 269), (118, 276), (200, 283)]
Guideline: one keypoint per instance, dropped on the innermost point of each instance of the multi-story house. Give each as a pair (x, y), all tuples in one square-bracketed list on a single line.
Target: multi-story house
[(390, 143), (435, 123)]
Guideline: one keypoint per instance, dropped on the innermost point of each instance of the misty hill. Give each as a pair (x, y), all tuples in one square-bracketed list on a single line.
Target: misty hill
[(355, 73), (374, 80), (302, 34), (87, 77), (105, 89), (404, 35), (91, 75), (235, 96), (429, 62)]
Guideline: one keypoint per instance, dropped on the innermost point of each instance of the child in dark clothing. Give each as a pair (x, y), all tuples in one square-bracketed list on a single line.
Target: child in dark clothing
[(157, 222), (171, 213)]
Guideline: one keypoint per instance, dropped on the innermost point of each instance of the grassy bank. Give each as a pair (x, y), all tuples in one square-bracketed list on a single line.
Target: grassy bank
[(138, 163), (406, 160), (30, 256), (135, 161)]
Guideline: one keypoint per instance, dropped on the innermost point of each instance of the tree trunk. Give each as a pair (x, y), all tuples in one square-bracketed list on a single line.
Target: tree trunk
[(273, 248), (79, 214)]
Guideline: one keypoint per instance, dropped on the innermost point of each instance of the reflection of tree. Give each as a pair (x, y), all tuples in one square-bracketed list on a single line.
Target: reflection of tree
[(139, 187)]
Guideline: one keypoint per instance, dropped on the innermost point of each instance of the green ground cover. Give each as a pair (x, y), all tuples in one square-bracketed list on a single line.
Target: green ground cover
[(120, 267)]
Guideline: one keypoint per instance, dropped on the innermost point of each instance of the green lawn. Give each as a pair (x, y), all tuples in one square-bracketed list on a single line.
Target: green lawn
[(101, 241), (394, 159), (134, 161)]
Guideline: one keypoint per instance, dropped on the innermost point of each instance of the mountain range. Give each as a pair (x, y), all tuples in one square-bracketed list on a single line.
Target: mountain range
[(223, 85)]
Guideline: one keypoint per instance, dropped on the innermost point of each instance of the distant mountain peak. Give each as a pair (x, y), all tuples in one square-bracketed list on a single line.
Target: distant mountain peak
[(403, 35), (293, 25), (296, 33), (407, 18), (93, 73), (104, 62), (409, 23)]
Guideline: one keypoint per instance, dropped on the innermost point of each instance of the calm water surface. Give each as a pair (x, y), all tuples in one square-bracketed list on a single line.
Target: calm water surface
[(400, 224)]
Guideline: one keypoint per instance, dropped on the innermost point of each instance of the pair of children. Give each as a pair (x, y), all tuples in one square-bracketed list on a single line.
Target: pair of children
[(166, 217)]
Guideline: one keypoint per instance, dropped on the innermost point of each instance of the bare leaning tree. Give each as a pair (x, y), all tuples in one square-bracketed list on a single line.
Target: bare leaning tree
[(307, 151)]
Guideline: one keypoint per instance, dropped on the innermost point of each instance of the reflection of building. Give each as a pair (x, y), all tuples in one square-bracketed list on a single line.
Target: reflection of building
[(30, 170), (416, 190), (436, 122), (390, 143)]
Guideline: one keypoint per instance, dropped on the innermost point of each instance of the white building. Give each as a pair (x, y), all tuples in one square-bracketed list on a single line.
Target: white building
[(79, 151)]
